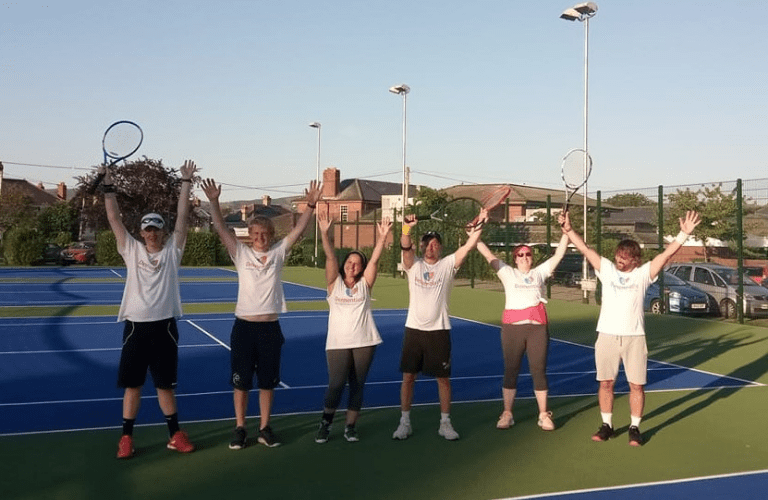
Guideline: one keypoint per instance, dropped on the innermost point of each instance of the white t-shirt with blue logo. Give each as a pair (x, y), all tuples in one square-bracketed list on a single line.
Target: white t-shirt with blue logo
[(621, 312), (259, 289), (429, 288), (350, 320), (523, 290)]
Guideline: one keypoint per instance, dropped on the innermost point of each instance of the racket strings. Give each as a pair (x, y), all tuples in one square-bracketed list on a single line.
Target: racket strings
[(122, 140), (573, 172)]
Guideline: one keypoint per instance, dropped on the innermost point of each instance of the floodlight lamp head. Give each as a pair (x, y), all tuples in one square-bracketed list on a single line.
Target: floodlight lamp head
[(570, 15), (315, 125), (401, 89), (586, 8)]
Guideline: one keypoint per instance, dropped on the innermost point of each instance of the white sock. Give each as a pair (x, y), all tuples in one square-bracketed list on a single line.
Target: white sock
[(635, 421), (445, 417), (607, 418), (405, 416)]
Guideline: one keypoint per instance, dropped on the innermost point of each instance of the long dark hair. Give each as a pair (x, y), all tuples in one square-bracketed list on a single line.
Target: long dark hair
[(364, 260)]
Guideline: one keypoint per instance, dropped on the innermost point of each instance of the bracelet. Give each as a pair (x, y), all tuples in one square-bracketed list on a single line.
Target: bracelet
[(405, 249), (312, 206), (406, 230), (108, 188), (681, 237)]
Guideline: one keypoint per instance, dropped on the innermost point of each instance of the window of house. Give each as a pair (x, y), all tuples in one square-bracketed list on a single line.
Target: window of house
[(344, 213)]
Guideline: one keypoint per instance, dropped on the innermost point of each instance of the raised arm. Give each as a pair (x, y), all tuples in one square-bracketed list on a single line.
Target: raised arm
[(182, 210), (561, 248), (212, 191), (494, 261), (313, 195), (406, 243), (474, 238), (592, 256), (113, 210), (371, 270), (687, 226), (331, 263)]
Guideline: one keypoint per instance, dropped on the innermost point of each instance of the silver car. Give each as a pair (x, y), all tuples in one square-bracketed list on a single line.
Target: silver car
[(722, 283)]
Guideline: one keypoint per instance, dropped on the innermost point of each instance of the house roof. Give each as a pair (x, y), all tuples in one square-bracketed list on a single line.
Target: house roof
[(39, 197), (631, 215), (520, 195)]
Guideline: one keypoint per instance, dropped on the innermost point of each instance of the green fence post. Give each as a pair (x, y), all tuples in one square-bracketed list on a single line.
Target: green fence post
[(740, 250), (663, 297), (599, 242), (549, 240)]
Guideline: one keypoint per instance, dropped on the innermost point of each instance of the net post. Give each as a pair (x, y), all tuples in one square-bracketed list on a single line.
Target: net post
[(549, 240)]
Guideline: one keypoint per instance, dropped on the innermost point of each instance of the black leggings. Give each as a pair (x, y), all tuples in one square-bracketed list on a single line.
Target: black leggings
[(347, 365), (517, 340)]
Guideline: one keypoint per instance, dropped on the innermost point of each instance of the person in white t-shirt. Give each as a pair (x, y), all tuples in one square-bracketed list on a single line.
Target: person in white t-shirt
[(621, 324), (256, 340), (352, 333), (427, 340), (524, 326), (149, 308)]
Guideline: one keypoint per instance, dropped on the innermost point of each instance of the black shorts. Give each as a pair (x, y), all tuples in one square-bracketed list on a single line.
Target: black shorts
[(426, 352), (256, 348), (152, 345)]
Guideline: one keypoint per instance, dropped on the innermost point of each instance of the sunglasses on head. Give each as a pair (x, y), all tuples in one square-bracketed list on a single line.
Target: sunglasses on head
[(145, 220)]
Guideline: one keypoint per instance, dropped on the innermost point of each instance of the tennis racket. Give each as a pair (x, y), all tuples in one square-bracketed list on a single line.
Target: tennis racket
[(121, 140), (464, 212), (573, 173)]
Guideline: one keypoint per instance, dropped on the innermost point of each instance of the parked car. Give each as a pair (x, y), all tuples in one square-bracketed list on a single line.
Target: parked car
[(51, 255), (684, 298), (721, 282), (83, 252), (568, 271), (757, 273)]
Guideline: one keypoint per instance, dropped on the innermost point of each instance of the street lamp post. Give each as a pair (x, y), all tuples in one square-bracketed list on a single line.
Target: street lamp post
[(317, 179), (583, 12), (403, 90)]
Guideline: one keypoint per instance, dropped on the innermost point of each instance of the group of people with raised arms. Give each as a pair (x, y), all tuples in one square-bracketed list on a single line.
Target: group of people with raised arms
[(151, 303)]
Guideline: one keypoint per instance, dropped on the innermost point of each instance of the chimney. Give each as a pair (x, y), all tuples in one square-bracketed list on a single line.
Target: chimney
[(61, 191), (243, 212), (331, 182), (1, 177), (266, 200)]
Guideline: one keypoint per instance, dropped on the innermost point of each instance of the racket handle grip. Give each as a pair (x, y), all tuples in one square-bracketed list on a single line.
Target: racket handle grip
[(99, 177)]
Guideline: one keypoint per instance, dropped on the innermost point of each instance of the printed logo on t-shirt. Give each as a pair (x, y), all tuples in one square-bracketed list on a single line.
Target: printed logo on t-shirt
[(527, 280), (351, 291), (152, 266), (259, 263), (428, 275)]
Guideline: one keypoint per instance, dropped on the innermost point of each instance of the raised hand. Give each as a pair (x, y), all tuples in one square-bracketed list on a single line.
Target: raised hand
[(313, 193), (211, 190), (692, 219), (188, 170), (384, 226), (324, 221)]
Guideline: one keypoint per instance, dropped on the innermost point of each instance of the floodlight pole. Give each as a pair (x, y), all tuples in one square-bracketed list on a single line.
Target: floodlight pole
[(583, 12), (403, 90), (317, 179)]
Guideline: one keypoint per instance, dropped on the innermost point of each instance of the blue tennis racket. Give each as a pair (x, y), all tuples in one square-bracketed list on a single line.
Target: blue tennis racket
[(121, 140)]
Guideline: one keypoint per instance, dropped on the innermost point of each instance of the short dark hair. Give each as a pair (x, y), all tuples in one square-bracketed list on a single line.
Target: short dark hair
[(631, 249)]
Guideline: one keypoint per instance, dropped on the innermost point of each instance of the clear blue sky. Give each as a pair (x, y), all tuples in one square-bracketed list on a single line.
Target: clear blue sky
[(678, 89)]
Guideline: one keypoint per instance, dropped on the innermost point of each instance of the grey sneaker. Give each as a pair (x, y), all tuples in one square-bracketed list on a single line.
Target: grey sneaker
[(238, 441), (350, 434), (446, 430), (267, 437), (403, 430), (323, 431)]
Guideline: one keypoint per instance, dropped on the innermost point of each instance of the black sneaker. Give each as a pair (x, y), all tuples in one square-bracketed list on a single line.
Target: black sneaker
[(267, 437), (238, 441), (604, 433), (323, 431), (635, 438), (350, 434)]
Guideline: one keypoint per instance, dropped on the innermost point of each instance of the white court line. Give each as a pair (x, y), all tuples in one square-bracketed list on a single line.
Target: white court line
[(641, 485), (97, 349), (227, 347)]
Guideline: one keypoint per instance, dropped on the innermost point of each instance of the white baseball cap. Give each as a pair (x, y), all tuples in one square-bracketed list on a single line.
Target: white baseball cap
[(153, 220)]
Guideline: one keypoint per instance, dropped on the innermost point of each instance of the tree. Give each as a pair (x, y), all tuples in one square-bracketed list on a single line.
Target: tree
[(716, 208), (629, 200), (15, 210), (55, 220), (142, 186)]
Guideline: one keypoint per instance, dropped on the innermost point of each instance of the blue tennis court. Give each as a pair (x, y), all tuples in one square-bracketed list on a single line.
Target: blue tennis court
[(47, 288), (59, 373)]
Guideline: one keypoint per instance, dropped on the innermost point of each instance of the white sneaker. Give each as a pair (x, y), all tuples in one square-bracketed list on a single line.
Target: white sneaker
[(446, 430), (505, 420), (403, 430)]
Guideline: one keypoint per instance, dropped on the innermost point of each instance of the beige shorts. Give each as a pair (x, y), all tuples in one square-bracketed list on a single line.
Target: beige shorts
[(631, 350)]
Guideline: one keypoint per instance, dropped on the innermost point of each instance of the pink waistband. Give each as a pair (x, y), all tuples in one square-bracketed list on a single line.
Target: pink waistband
[(536, 313)]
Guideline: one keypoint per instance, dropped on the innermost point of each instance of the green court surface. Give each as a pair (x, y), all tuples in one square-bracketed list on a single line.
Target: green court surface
[(690, 433)]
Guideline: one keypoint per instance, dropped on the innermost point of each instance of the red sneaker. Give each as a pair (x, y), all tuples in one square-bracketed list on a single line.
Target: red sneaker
[(181, 443), (125, 447)]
